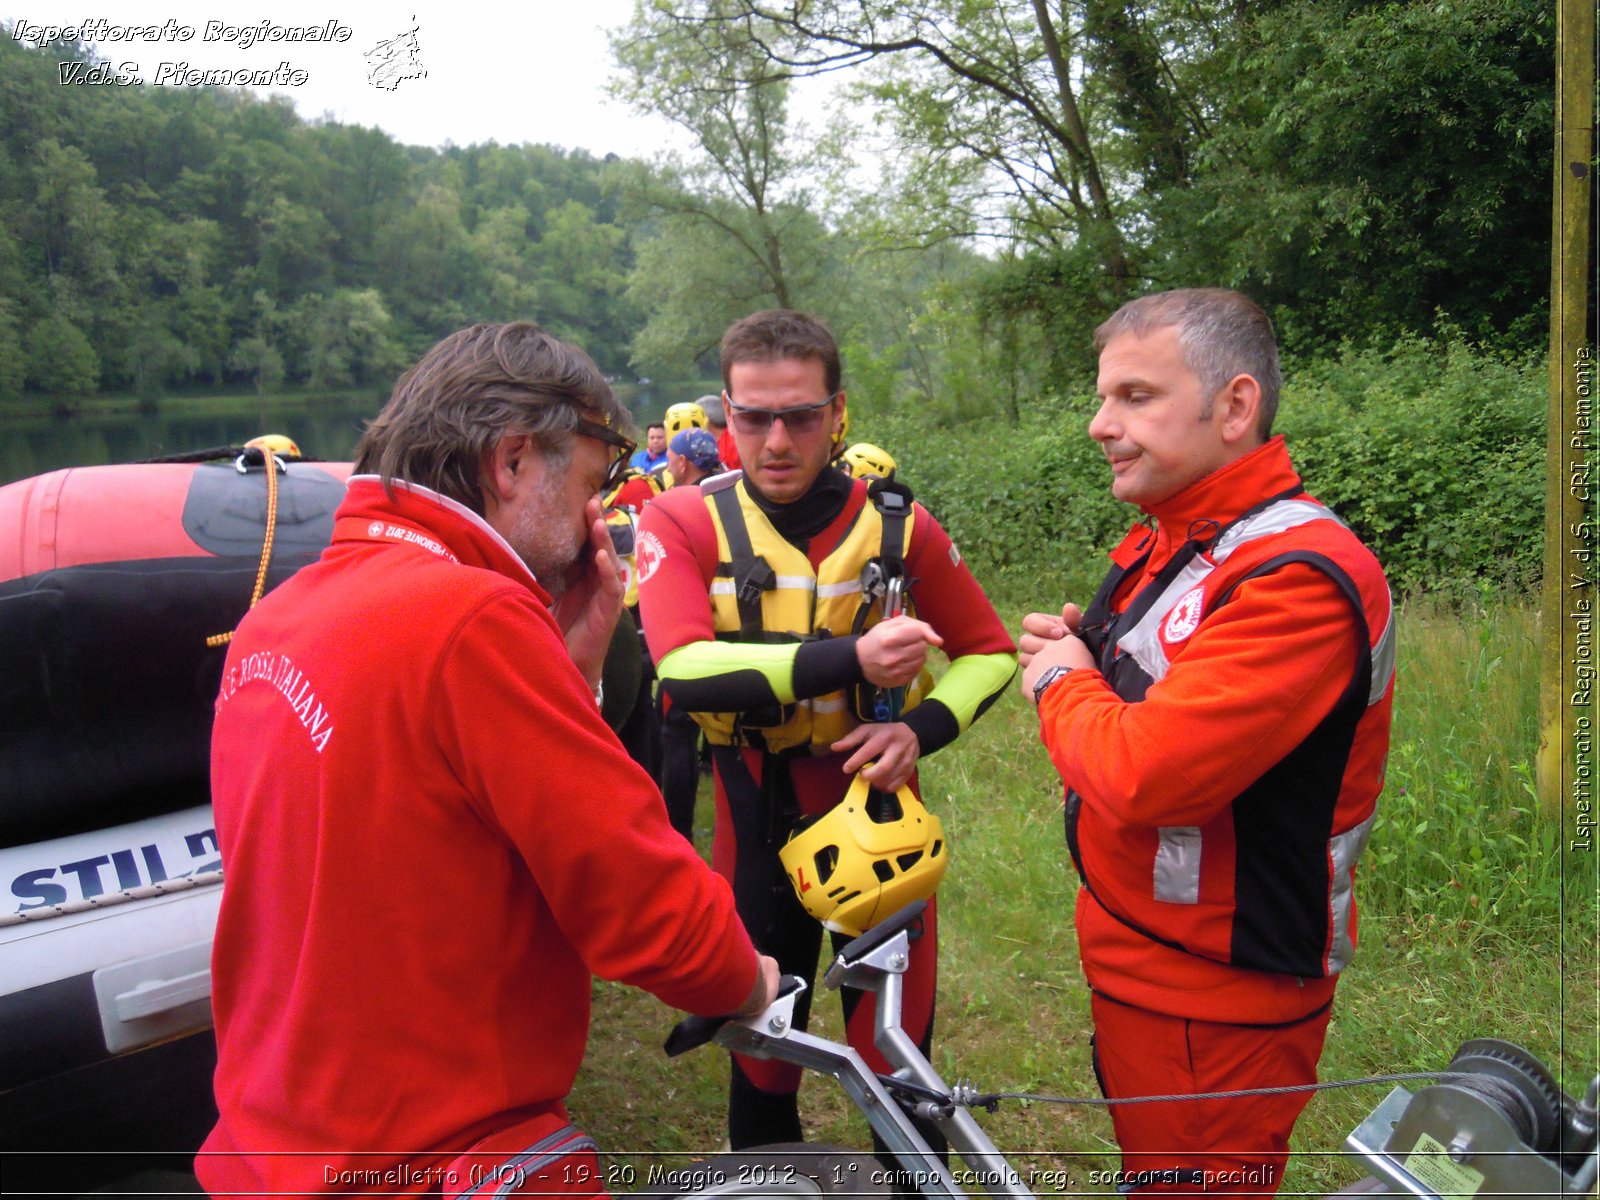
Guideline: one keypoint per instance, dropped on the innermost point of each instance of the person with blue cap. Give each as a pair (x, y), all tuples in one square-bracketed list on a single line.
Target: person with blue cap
[(692, 455)]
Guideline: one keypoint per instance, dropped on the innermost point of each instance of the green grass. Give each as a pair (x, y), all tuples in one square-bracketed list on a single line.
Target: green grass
[(1469, 928)]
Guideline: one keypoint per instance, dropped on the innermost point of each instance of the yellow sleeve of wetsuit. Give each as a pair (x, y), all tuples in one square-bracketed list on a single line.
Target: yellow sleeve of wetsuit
[(973, 682), (727, 676)]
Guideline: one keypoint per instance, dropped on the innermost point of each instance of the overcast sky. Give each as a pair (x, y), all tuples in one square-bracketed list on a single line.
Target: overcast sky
[(534, 72)]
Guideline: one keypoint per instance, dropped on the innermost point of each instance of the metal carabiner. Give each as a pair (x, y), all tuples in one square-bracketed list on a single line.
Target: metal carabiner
[(240, 466)]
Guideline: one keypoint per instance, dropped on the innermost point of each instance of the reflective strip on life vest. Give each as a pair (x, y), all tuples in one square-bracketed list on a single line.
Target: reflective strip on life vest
[(1177, 868), (1343, 851), (1143, 642)]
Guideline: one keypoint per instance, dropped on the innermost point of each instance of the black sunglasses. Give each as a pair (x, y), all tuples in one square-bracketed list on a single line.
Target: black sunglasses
[(802, 419), (619, 460)]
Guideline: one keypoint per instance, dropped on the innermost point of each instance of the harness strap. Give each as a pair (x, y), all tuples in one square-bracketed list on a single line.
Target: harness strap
[(752, 574), (893, 502), (1102, 628)]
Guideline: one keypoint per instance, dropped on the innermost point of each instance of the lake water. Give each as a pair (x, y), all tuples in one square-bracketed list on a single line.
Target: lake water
[(325, 427)]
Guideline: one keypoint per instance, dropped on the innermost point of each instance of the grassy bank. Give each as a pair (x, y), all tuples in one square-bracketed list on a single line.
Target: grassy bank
[(1468, 929)]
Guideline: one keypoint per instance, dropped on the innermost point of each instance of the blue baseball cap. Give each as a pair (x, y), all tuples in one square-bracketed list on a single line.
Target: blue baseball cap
[(699, 447)]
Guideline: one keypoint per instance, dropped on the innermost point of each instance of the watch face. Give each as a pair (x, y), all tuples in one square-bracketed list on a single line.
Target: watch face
[(1050, 675)]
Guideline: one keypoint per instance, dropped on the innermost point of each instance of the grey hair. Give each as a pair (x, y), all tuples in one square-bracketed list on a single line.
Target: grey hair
[(473, 388), (1223, 334), (711, 405)]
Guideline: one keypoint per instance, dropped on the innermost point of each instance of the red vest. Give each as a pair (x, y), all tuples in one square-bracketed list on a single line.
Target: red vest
[(1267, 883)]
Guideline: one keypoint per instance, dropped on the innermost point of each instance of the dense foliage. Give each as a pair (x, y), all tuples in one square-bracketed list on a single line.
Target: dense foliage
[(1359, 166), (152, 237), (1373, 170), (1432, 451)]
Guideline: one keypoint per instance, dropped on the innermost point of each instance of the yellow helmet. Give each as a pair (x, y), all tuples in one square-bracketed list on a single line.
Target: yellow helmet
[(866, 461), (687, 415), (866, 858)]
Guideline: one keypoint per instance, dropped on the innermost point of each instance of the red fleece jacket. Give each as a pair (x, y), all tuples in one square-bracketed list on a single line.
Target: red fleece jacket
[(430, 841)]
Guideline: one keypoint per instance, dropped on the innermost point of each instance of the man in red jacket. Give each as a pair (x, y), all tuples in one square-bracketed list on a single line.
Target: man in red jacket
[(430, 838), (1220, 716)]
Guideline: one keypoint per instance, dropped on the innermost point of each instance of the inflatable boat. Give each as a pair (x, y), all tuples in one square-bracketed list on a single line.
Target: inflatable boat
[(118, 587)]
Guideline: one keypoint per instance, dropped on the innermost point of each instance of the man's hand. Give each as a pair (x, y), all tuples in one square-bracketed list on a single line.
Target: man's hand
[(587, 610), (894, 747), (764, 992), (1050, 641), (892, 652), (1041, 629)]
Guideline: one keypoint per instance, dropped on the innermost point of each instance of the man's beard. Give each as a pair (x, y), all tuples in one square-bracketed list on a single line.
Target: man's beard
[(542, 542)]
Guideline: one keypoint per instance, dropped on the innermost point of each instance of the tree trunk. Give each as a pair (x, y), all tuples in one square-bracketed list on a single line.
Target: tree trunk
[(1566, 705)]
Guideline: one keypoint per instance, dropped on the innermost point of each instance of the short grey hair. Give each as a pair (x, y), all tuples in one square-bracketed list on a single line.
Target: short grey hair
[(1223, 334), (712, 406), (469, 391)]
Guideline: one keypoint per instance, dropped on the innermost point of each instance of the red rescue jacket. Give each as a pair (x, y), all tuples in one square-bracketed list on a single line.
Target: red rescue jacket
[(1228, 893)]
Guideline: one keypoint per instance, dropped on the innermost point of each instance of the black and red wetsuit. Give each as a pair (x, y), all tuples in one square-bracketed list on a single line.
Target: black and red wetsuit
[(705, 672)]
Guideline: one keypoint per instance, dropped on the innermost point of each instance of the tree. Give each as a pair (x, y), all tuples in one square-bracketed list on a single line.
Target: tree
[(153, 357), (73, 222), (13, 354), (693, 284), (579, 282), (293, 242), (986, 101), (61, 362), (348, 338), (257, 354), (428, 271), (1359, 165), (1372, 164), (745, 196), (259, 359)]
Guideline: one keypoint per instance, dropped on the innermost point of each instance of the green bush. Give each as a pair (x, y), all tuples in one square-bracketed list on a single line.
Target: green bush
[(1433, 452), (1024, 503)]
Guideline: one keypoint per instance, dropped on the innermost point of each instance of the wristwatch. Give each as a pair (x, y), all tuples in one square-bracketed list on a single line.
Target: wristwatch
[(1050, 675)]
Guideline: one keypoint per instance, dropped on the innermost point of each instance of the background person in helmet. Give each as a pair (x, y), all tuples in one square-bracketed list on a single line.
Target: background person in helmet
[(1220, 716), (630, 704), (425, 826), (680, 418), (863, 460), (776, 702)]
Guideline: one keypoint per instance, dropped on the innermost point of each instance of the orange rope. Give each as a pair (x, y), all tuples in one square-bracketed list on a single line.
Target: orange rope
[(222, 639)]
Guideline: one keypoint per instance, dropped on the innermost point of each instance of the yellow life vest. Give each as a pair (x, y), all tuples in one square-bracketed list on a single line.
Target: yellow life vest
[(785, 600)]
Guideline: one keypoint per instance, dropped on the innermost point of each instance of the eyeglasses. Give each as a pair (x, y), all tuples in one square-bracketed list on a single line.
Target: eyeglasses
[(619, 461), (803, 419)]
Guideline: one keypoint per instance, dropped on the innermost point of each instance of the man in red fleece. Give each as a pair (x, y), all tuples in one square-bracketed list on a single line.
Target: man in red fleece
[(430, 838), (1220, 716)]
